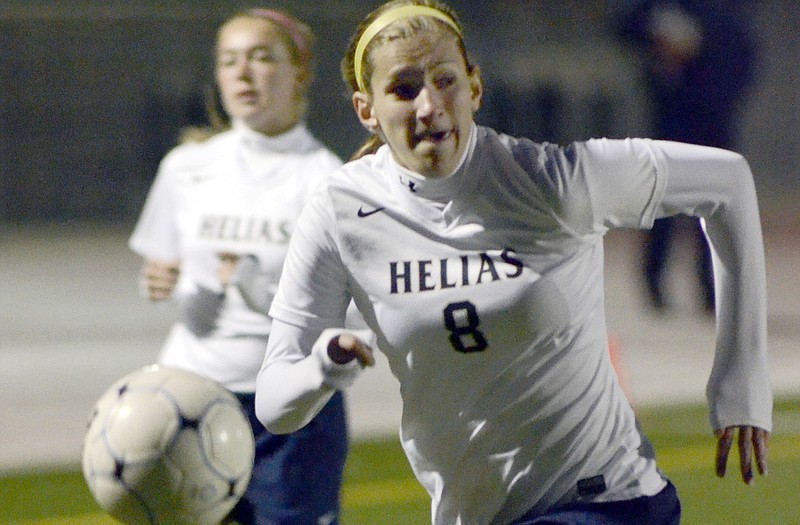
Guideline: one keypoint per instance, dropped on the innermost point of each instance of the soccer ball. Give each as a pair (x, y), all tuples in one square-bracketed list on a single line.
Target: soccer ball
[(167, 446)]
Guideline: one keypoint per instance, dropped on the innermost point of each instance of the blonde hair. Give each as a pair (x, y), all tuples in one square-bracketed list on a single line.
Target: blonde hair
[(398, 29)]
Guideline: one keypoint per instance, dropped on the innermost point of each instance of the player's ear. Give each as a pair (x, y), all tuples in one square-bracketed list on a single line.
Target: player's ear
[(362, 103), (476, 87)]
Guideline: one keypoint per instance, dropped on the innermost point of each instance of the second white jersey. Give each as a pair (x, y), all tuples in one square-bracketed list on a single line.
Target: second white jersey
[(506, 420), (238, 192)]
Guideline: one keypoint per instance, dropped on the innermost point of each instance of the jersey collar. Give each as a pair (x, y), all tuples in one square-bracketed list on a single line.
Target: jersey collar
[(440, 189), (288, 141)]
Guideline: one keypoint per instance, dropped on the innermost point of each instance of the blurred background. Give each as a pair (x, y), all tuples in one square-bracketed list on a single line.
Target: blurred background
[(94, 93)]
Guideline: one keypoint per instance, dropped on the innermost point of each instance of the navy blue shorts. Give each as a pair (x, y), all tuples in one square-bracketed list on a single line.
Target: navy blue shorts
[(297, 477), (662, 509)]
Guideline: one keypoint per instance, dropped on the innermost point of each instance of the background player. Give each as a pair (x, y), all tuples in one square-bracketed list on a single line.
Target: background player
[(699, 65), (215, 230), (477, 259)]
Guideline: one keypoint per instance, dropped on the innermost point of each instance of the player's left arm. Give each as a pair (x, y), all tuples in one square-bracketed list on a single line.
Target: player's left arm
[(717, 185)]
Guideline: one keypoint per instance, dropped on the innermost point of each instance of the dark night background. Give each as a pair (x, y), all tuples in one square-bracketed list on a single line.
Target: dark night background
[(94, 93)]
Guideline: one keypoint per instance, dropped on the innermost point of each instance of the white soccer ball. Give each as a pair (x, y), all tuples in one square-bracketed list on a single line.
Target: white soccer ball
[(166, 446)]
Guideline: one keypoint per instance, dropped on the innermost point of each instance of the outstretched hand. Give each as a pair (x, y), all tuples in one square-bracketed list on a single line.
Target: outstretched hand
[(344, 348), (753, 441)]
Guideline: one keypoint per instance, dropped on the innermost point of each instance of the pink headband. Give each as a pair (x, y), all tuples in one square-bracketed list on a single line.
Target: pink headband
[(287, 23)]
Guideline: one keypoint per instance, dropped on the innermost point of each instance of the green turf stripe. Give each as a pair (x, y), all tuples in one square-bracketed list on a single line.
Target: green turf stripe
[(382, 492), (86, 519)]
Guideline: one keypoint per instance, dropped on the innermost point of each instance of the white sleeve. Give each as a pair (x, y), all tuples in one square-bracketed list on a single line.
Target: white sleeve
[(292, 385), (155, 235), (600, 184), (297, 377), (313, 288), (624, 184), (717, 185)]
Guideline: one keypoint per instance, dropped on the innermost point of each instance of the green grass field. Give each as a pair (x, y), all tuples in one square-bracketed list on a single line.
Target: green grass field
[(380, 488)]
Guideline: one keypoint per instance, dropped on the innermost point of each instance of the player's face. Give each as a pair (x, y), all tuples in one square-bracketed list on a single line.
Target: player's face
[(422, 102), (256, 78)]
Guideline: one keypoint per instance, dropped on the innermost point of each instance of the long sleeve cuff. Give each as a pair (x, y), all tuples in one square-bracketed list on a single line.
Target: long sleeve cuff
[(335, 375)]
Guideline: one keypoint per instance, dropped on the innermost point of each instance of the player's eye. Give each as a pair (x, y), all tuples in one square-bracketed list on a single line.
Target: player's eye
[(444, 80), (266, 55), (226, 59), (406, 87), (406, 91)]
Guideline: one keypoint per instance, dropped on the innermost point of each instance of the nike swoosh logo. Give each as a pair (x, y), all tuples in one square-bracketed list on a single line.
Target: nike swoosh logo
[(367, 213)]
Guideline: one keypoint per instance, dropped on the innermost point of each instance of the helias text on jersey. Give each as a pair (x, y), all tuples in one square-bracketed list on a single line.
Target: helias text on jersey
[(245, 229), (465, 270)]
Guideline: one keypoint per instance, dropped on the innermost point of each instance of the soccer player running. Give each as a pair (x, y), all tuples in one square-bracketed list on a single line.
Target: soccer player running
[(477, 259), (215, 230)]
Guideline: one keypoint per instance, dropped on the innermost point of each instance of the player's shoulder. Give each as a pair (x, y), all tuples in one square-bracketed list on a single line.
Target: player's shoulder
[(302, 150), (363, 173), (368, 166), (323, 158), (193, 149), (355, 179), (550, 171), (517, 147), (512, 157), (196, 157), (548, 159)]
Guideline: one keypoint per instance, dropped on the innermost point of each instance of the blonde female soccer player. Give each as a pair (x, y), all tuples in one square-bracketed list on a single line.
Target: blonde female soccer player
[(477, 259), (215, 231)]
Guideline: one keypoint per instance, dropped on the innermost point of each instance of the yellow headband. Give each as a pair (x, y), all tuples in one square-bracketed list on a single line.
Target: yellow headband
[(378, 25)]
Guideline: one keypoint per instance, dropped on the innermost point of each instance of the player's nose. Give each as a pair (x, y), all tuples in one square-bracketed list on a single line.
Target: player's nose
[(428, 103)]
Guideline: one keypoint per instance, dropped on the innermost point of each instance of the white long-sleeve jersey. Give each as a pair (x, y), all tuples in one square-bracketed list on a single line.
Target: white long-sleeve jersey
[(238, 192), (486, 292)]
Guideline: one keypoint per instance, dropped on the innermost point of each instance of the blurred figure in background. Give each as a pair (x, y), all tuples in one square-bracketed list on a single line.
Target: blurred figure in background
[(699, 63), (214, 233)]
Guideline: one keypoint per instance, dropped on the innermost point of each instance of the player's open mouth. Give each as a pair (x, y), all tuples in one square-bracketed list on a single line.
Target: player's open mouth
[(434, 136)]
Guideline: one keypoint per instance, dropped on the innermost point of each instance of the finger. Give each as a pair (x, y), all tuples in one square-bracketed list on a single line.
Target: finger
[(228, 257), (746, 453), (157, 290), (724, 441), (158, 273), (158, 279), (362, 350), (761, 446), (161, 268), (161, 279), (158, 294), (346, 347)]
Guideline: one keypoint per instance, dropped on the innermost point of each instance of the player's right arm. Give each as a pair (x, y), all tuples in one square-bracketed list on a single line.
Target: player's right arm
[(300, 373), (293, 386), (156, 236)]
